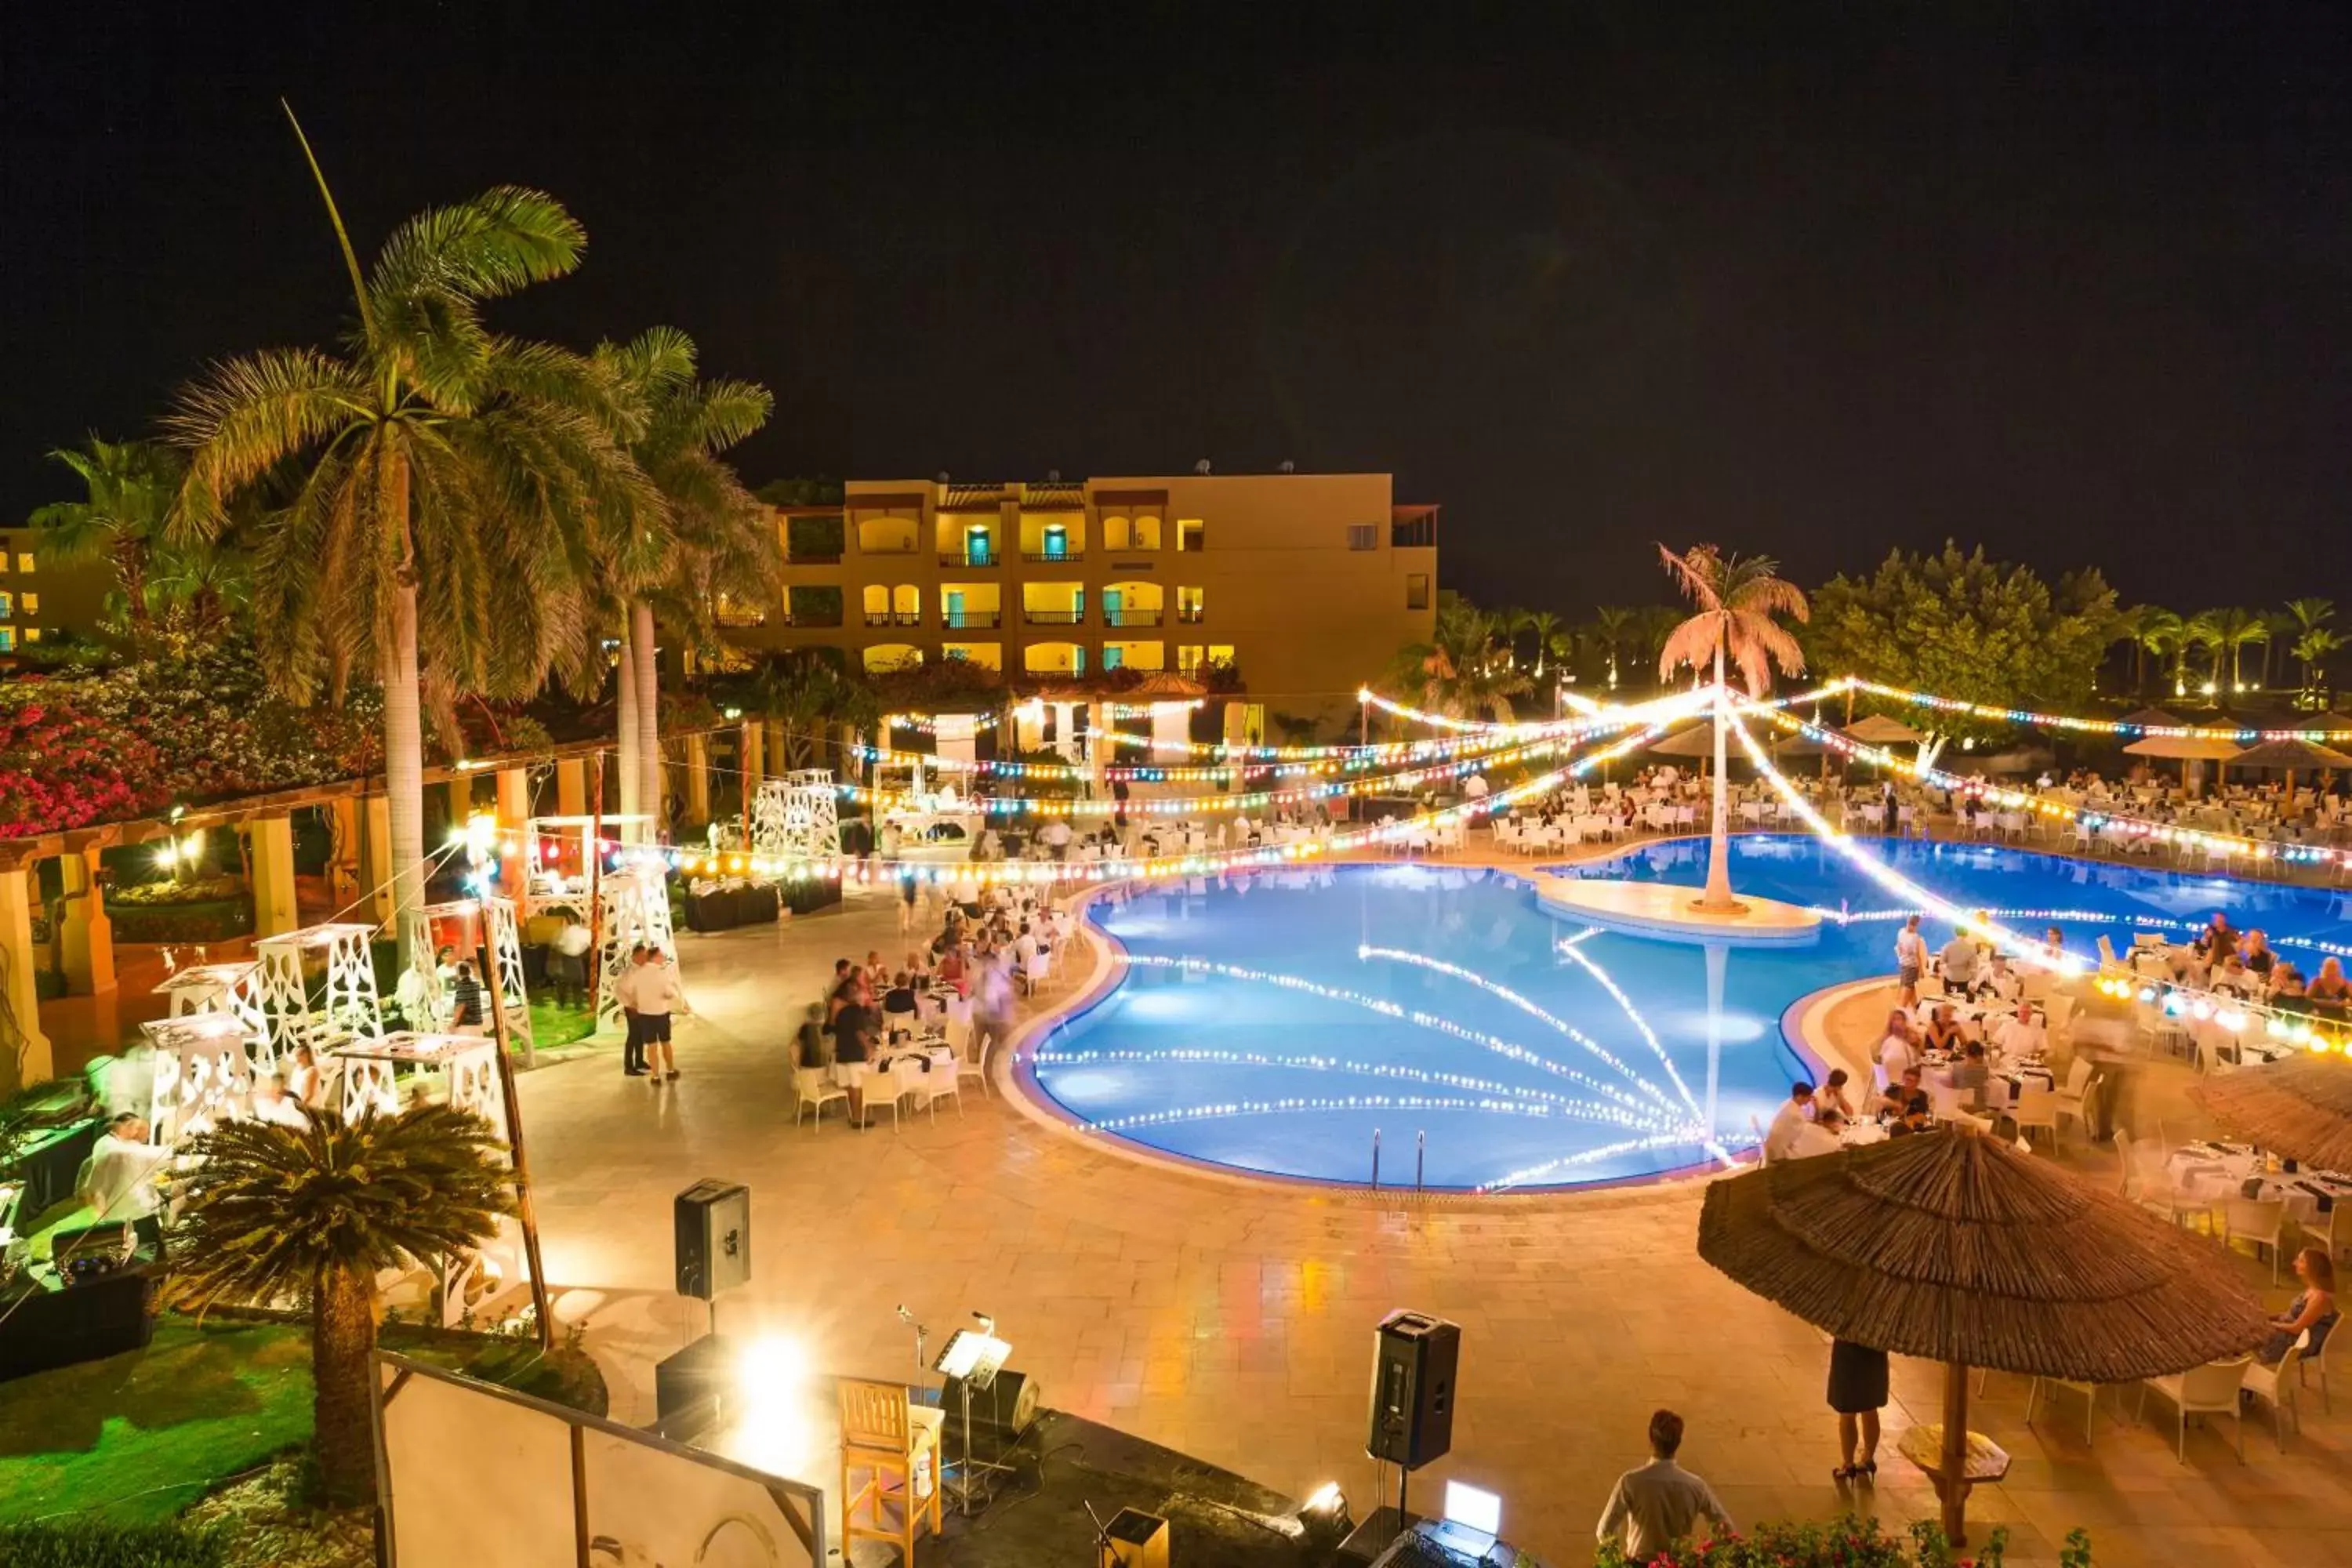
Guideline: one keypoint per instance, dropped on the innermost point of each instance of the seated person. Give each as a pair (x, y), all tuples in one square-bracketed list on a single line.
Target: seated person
[(1794, 1115), (898, 1006), (2287, 990), (305, 1084), (2003, 980), (2313, 1312), (2021, 1036), (1832, 1095), (271, 1103), (1944, 1030), (2234, 977), (1899, 1048), (1904, 1101), (1970, 1074), (1822, 1135), (2257, 956), (814, 1046), (2219, 939)]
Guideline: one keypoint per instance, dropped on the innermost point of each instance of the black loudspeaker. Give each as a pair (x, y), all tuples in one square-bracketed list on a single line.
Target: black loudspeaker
[(1415, 1358), (714, 1237), (1000, 1412), (689, 1385)]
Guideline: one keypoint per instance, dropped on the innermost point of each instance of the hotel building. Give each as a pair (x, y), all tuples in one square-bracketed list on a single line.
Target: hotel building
[(1304, 584)]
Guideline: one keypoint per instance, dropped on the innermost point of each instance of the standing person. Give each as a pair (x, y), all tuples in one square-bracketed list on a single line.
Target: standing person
[(658, 996), (624, 992), (570, 967), (119, 1180), (1656, 1505), (1910, 960), (908, 891), (1857, 1392), (991, 1003), (855, 1028)]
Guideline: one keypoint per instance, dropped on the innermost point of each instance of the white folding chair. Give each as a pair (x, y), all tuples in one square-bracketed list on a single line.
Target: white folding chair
[(812, 1093), (2089, 1391), (886, 1090), (2035, 1107), (2277, 1386), (2208, 1390), (944, 1081)]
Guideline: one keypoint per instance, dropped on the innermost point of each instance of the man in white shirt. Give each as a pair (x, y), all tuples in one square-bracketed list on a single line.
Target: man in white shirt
[(1658, 1504), (270, 1103), (118, 1181), (1898, 1051), (1055, 836), (624, 992), (658, 995), (2020, 1035), (1820, 1136), (570, 970), (1794, 1115)]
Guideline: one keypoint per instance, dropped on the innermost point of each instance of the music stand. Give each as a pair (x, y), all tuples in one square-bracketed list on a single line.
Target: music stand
[(972, 1357)]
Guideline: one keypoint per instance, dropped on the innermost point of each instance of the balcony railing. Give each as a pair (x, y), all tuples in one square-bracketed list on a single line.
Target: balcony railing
[(1130, 617), (886, 547), (1190, 617), (1048, 558), (813, 558), (739, 619), (967, 558), (811, 620), (961, 620), (894, 618), (1054, 617)]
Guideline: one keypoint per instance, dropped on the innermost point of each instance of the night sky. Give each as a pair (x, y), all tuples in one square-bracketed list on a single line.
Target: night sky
[(2075, 281)]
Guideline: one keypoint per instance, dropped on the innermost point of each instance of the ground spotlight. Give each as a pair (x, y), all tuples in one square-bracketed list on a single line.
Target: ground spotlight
[(1324, 1518)]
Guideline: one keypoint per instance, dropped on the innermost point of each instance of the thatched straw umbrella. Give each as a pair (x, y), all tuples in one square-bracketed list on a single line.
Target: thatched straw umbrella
[(2152, 718), (1954, 1247), (2301, 1108), (2289, 756), (2188, 749), (1878, 729)]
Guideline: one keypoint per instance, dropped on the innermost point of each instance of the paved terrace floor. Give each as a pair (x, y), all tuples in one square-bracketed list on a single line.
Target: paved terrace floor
[(1234, 1321)]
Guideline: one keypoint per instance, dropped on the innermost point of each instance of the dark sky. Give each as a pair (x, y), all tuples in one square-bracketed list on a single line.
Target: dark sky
[(2075, 281)]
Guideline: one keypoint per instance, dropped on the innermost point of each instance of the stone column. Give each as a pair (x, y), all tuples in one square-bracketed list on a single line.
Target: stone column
[(29, 1062), (572, 787), (270, 870), (88, 937), (697, 778), (514, 814)]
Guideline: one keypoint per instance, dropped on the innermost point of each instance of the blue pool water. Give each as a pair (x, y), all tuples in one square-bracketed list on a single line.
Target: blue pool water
[(1272, 1021)]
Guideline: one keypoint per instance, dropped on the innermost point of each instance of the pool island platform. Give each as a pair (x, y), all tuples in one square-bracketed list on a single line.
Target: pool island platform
[(1669, 911)]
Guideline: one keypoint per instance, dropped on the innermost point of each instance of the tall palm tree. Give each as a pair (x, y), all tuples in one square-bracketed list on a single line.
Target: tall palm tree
[(1464, 670), (2232, 628), (1736, 598), (2308, 615), (1544, 626), (439, 483), (1612, 625), (2195, 632), (2156, 630), (314, 1214), (129, 487), (719, 539), (2312, 648)]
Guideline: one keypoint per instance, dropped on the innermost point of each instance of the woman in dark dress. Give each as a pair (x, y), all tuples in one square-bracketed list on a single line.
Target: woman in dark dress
[(1858, 1393)]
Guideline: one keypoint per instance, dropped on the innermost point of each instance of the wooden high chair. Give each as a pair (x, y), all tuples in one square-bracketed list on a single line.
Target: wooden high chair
[(884, 1434)]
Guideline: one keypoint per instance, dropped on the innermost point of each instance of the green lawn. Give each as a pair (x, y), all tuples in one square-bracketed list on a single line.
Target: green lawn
[(140, 1437), (552, 1024)]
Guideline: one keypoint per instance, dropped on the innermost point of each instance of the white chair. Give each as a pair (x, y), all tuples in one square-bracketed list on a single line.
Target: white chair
[(2277, 1386), (1762, 1156), (1945, 1101), (2257, 1220), (944, 1081), (2089, 1391), (886, 1090), (2074, 1099), (2035, 1107), (2208, 1390), (2311, 1363), (813, 1093)]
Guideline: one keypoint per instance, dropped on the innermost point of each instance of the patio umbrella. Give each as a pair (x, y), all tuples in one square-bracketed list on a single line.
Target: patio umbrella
[(2155, 718), (2188, 749), (1690, 740), (1878, 729), (1954, 1247), (2300, 1106)]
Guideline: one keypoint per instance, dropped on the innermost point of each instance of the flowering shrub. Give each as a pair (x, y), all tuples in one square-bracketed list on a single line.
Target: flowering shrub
[(60, 768), (1847, 1542), (158, 894)]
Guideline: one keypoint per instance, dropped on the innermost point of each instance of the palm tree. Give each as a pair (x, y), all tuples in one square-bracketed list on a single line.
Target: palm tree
[(719, 539), (2308, 615), (2312, 648), (128, 487), (314, 1214), (808, 694), (1464, 670), (1737, 599), (1612, 625), (2194, 632), (2231, 628), (2155, 630), (1544, 627), (439, 483)]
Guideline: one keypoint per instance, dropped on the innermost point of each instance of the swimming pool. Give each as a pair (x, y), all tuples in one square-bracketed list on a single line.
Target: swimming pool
[(1273, 1022)]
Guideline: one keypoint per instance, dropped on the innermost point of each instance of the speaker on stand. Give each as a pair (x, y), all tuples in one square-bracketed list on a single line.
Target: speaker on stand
[(1414, 1360), (711, 1221)]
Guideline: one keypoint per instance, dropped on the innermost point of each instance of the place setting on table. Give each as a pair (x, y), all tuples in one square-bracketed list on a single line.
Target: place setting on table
[(2210, 1170)]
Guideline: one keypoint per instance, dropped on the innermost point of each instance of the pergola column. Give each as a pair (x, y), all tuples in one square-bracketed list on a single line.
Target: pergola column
[(375, 865), (86, 937), (572, 786), (348, 855), (514, 812), (772, 748), (697, 777), (461, 799), (29, 1061), (271, 872)]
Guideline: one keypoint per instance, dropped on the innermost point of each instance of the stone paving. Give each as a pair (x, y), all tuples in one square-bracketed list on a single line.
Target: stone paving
[(1233, 1320)]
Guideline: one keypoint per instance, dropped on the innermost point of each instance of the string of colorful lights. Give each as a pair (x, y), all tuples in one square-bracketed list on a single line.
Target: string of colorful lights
[(2092, 726)]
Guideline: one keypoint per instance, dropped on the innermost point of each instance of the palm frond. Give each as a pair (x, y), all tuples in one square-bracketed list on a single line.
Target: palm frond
[(505, 238), (244, 416)]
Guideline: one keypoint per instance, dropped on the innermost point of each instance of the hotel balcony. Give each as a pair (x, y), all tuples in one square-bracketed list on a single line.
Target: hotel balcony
[(1131, 617), (969, 558), (1052, 558), (1054, 617), (964, 620), (894, 618)]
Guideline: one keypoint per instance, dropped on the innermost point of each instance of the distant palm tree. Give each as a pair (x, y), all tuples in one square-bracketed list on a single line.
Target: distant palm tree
[(2308, 615), (1544, 627), (2232, 628), (314, 1214), (721, 540), (2195, 632), (1464, 670), (1613, 626), (1736, 599), (443, 484), (2155, 630), (2312, 648), (129, 487)]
